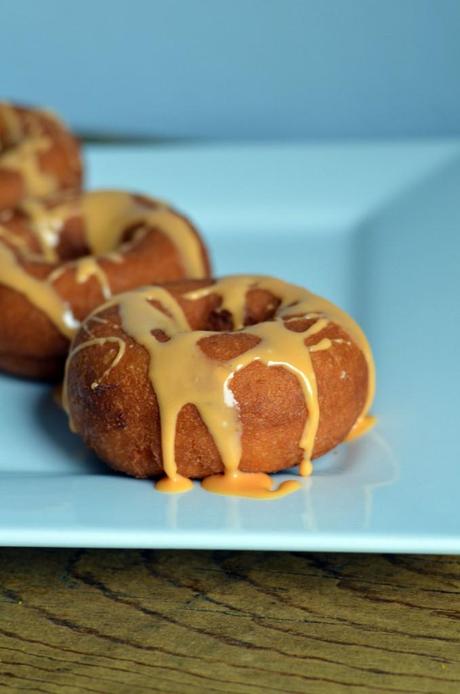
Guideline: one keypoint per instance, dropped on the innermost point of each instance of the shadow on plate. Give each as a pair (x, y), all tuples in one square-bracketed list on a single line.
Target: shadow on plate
[(53, 420)]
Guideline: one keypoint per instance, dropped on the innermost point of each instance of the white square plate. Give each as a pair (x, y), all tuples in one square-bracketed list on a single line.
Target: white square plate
[(375, 228)]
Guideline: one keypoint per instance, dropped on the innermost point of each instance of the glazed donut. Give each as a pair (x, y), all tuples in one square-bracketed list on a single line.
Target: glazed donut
[(38, 155), (216, 379), (61, 259)]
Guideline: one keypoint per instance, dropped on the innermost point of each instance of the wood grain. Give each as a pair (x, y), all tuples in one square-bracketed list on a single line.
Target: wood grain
[(131, 621)]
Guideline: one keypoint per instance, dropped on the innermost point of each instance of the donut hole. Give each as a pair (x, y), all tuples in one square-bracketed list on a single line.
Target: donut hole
[(160, 335), (260, 306), (133, 231), (72, 244), (71, 234), (71, 238), (220, 320)]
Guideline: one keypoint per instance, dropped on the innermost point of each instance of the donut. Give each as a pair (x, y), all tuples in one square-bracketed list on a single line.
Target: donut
[(219, 380), (59, 259), (39, 156)]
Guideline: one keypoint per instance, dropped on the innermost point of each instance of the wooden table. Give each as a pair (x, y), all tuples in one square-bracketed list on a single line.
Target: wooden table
[(168, 621)]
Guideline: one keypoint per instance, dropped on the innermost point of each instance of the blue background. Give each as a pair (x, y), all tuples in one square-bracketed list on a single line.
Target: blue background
[(238, 69)]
